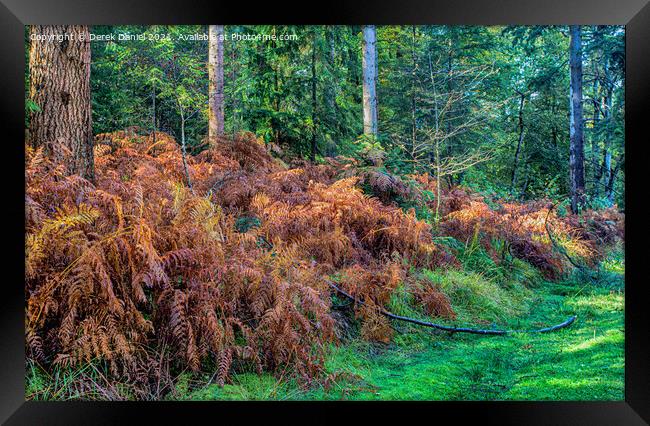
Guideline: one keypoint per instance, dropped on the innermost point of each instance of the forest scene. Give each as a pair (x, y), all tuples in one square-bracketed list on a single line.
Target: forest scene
[(361, 212)]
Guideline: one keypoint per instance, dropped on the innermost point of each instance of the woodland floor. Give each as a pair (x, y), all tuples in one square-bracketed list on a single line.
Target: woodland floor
[(582, 362)]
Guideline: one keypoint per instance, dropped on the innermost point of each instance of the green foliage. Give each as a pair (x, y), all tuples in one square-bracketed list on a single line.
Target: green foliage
[(269, 91)]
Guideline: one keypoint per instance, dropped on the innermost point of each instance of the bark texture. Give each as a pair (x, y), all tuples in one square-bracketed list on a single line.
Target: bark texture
[(59, 64), (576, 157), (369, 66)]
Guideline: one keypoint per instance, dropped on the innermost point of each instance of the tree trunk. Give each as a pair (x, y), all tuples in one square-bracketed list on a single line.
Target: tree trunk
[(314, 104), (153, 115), (519, 142), (184, 150), (332, 88), (233, 100), (611, 178), (450, 141), (215, 75), (60, 86), (606, 166), (331, 91), (413, 95), (576, 157), (438, 180), (369, 80), (596, 101)]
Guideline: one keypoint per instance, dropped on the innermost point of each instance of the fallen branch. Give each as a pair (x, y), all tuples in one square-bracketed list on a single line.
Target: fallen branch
[(564, 324)]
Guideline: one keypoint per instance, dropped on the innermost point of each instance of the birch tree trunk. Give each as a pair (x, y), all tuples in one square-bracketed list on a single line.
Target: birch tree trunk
[(576, 157), (215, 75), (60, 86), (369, 66)]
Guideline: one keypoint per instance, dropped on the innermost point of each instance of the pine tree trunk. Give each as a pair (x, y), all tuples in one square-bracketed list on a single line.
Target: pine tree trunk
[(369, 65), (576, 157), (215, 75), (60, 86)]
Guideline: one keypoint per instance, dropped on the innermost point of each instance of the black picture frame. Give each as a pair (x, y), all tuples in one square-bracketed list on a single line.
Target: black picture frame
[(634, 14)]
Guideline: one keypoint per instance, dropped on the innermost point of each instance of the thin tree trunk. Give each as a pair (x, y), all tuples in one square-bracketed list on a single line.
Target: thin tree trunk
[(234, 98), (60, 86), (450, 89), (313, 99), (184, 150), (413, 96), (333, 87), (596, 91), (522, 99), (606, 166), (436, 146), (576, 157), (332, 90), (595, 151), (215, 75), (153, 115), (438, 180), (369, 66), (609, 190), (435, 100)]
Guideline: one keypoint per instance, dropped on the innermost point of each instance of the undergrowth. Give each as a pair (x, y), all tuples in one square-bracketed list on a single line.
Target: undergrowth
[(584, 362), (150, 283)]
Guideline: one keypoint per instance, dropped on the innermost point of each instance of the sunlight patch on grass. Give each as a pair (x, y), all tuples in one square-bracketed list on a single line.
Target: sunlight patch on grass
[(476, 297), (610, 337)]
